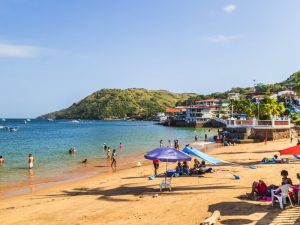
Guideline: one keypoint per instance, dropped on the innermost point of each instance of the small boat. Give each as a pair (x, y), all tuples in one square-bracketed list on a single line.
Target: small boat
[(50, 120), (28, 120), (1, 127), (75, 121)]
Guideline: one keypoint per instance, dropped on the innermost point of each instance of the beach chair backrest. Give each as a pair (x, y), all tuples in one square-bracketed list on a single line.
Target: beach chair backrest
[(285, 189)]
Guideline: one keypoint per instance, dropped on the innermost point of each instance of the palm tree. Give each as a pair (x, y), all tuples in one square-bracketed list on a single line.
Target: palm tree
[(269, 107)]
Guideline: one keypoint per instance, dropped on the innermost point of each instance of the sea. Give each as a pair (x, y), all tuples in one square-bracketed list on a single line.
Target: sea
[(49, 142)]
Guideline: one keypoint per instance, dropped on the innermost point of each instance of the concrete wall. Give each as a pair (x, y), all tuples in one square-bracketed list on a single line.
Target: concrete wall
[(270, 134)]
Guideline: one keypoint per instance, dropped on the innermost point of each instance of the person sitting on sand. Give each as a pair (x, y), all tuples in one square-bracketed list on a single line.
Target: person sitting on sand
[(298, 143), (285, 179), (30, 161), (179, 168), (1, 159), (203, 168), (259, 188), (196, 168), (185, 168)]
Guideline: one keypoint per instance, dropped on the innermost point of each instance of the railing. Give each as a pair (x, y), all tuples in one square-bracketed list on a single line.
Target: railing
[(258, 123)]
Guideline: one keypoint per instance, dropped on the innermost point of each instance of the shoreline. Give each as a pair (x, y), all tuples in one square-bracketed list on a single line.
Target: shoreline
[(81, 171)]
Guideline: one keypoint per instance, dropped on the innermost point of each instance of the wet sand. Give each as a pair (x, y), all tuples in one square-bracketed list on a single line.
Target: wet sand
[(128, 197)]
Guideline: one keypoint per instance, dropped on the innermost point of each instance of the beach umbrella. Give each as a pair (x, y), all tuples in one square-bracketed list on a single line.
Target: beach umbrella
[(167, 155), (295, 150)]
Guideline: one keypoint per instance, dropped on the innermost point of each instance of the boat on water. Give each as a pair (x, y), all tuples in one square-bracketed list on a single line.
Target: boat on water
[(1, 127), (28, 120), (50, 120), (75, 121)]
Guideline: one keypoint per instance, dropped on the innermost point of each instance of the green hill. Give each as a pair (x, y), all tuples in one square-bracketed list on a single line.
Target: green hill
[(117, 103)]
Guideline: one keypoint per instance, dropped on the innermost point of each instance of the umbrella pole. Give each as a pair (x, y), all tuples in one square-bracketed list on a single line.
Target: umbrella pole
[(166, 172)]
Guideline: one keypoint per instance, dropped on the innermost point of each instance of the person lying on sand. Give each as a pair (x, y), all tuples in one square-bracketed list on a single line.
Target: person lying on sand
[(275, 159)]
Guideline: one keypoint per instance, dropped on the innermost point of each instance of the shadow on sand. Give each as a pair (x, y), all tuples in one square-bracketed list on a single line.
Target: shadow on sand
[(122, 192), (242, 211)]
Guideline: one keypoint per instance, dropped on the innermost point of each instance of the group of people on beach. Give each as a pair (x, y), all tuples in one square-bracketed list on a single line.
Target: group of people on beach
[(260, 189), (198, 168), (183, 168), (170, 144), (112, 157)]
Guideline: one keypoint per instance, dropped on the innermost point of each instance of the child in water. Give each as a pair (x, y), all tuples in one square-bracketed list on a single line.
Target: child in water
[(1, 159), (121, 147)]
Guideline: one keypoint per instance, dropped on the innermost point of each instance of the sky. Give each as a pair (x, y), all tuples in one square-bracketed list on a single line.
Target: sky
[(55, 52)]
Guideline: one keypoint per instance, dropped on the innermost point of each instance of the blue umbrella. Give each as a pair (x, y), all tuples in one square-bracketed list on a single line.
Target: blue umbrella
[(167, 155)]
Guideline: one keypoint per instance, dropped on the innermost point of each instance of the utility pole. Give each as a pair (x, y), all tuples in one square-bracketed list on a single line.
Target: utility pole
[(258, 110)]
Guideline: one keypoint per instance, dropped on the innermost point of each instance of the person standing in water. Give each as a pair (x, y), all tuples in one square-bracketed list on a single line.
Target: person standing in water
[(30, 161), (160, 143), (205, 137), (121, 147), (113, 159), (1, 160), (108, 153), (170, 144), (196, 138)]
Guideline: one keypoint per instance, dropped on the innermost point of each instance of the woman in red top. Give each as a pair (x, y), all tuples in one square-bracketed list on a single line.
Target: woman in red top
[(259, 188)]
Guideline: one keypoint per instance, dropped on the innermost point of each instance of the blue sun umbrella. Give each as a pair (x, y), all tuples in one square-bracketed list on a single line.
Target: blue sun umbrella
[(167, 155)]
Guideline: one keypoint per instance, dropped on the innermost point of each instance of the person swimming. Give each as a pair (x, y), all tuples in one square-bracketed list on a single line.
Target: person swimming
[(72, 150)]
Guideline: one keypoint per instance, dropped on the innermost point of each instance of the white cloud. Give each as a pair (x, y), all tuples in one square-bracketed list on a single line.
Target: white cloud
[(222, 38), (19, 51), (229, 8)]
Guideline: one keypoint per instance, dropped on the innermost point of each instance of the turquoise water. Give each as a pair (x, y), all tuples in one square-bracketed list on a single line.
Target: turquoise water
[(50, 141)]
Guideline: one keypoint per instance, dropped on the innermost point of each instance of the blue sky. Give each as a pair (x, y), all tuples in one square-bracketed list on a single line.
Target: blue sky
[(55, 52)]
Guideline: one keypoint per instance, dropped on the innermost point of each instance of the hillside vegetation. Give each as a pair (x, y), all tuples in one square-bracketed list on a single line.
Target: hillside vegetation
[(117, 103), (293, 82)]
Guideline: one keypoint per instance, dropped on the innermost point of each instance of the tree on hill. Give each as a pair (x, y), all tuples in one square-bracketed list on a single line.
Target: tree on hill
[(269, 107)]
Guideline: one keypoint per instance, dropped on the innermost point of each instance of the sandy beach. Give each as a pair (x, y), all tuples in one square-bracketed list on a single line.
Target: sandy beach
[(128, 197)]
